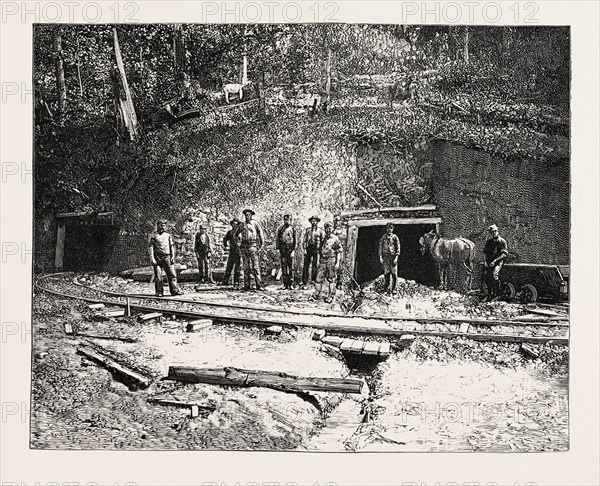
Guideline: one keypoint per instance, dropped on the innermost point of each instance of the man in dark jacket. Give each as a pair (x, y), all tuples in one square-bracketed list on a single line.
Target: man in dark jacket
[(389, 251), (234, 258), (495, 250), (286, 242), (203, 254), (313, 238)]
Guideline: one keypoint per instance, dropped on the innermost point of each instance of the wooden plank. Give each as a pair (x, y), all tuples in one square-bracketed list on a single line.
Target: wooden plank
[(274, 330), (357, 346), (96, 306), (346, 344), (351, 255), (280, 381), (198, 325), (384, 349), (424, 207), (149, 317), (127, 374), (383, 221), (332, 340), (103, 336), (60, 247), (543, 312), (318, 335), (169, 402), (115, 313), (529, 351), (464, 327), (371, 348), (68, 328)]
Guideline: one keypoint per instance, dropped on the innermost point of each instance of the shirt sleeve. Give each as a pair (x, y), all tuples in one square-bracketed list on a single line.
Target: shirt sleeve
[(503, 247)]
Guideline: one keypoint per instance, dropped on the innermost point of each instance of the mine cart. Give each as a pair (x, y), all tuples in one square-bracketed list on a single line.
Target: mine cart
[(529, 282)]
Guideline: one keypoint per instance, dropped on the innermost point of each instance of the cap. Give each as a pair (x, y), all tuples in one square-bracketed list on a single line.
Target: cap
[(389, 225), (493, 227), (337, 218), (234, 221), (287, 216), (245, 211), (316, 218), (162, 220), (328, 225)]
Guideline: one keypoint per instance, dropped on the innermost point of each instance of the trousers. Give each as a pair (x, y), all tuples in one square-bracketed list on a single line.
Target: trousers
[(251, 264), (163, 263)]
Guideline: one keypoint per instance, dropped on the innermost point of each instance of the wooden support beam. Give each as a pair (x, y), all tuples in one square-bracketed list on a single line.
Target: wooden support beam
[(280, 381), (103, 336), (384, 221), (198, 325), (121, 371), (60, 246)]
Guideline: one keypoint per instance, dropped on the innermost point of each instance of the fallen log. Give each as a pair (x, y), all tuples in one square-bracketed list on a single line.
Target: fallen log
[(170, 402), (102, 336), (280, 381), (121, 371)]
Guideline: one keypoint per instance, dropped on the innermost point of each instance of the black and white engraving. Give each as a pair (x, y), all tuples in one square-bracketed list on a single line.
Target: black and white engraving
[(301, 237)]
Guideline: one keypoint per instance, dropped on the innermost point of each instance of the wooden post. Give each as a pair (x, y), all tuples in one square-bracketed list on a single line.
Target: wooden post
[(60, 246), (352, 241)]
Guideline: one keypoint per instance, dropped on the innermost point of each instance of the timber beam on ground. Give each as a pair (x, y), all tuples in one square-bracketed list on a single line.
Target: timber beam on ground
[(381, 330)]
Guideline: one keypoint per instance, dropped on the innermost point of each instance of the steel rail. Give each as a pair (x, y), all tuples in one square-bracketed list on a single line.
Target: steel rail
[(381, 330)]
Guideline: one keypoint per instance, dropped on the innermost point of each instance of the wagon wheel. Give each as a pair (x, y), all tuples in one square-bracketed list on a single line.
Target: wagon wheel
[(529, 294), (507, 291)]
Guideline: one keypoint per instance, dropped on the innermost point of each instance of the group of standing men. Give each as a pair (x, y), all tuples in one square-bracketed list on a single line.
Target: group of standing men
[(322, 251)]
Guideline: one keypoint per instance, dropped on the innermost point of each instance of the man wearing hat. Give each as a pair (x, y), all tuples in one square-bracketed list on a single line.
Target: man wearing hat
[(250, 240), (286, 242), (330, 253), (203, 253), (234, 258), (313, 238), (389, 251), (495, 251), (162, 257)]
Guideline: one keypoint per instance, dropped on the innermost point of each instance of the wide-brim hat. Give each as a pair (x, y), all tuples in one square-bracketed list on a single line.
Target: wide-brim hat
[(328, 225), (315, 218), (389, 225), (246, 211)]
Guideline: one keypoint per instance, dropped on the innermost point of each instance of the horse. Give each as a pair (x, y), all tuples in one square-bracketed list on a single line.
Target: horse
[(449, 251)]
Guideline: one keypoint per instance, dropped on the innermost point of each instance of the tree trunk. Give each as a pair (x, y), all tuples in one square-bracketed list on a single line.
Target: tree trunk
[(126, 105), (79, 70), (466, 48), (60, 75), (327, 82)]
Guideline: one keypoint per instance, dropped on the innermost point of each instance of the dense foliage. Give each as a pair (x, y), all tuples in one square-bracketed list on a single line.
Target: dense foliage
[(505, 90)]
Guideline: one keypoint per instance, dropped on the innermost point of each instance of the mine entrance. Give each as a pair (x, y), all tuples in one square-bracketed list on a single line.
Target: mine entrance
[(88, 247), (411, 264)]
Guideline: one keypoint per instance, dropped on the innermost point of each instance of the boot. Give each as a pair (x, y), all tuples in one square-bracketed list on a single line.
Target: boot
[(317, 292), (332, 289)]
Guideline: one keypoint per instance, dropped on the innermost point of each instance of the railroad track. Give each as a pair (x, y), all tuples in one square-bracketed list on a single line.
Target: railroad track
[(545, 330)]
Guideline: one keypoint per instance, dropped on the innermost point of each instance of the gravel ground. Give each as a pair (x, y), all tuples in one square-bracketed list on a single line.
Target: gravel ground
[(438, 394)]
